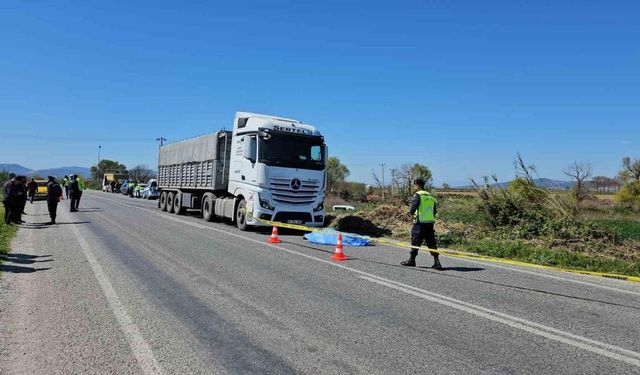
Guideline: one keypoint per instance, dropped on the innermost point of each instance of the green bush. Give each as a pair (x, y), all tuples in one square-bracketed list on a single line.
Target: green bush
[(500, 207), (629, 195)]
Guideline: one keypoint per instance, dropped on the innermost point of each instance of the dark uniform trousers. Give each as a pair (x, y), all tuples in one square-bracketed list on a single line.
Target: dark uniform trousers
[(73, 202), (7, 210), (423, 232), (53, 208), (78, 199)]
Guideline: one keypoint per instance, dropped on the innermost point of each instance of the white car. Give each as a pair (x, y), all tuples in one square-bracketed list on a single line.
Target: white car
[(151, 190), (343, 207)]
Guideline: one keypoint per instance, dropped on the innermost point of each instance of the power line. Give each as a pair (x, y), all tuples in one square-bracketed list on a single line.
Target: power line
[(74, 139)]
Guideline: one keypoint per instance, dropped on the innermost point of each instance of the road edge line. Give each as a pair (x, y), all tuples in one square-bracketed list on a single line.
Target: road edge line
[(140, 348)]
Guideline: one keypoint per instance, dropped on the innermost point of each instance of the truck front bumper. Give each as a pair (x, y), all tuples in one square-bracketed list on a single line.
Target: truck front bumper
[(309, 219)]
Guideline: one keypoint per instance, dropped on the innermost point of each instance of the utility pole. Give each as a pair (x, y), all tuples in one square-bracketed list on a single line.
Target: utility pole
[(161, 139), (393, 179), (383, 186), (98, 168)]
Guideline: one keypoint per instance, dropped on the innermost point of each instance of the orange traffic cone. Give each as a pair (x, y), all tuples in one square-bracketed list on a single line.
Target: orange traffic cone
[(274, 236), (339, 253)]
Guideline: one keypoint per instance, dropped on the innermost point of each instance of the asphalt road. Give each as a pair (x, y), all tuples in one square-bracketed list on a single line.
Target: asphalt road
[(122, 288)]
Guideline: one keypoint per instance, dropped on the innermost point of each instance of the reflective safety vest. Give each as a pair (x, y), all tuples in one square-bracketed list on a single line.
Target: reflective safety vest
[(424, 213), (65, 182), (81, 184)]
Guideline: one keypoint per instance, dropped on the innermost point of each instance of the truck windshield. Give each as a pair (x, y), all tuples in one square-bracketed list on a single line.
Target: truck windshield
[(292, 151)]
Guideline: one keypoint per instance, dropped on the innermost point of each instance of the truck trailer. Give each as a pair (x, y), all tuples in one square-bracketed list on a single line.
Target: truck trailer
[(267, 168)]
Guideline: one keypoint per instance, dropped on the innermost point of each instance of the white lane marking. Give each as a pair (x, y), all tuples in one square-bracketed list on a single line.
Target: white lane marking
[(597, 347), (137, 343), (584, 343), (491, 264)]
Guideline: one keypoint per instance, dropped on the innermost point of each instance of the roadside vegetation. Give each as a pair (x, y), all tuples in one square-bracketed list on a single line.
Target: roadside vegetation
[(572, 228)]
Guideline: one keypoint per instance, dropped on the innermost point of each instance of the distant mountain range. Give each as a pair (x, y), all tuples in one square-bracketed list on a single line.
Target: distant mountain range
[(546, 183), (57, 172)]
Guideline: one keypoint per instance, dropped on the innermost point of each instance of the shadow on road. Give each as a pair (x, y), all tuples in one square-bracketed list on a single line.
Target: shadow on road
[(45, 226), (459, 269), (327, 251), (20, 269), (18, 258), (25, 256)]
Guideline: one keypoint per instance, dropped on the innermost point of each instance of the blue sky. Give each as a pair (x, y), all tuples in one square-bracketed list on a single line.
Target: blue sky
[(461, 86)]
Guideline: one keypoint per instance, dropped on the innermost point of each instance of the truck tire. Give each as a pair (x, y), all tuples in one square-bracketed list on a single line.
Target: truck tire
[(241, 215), (162, 202), (208, 208), (177, 204), (170, 197)]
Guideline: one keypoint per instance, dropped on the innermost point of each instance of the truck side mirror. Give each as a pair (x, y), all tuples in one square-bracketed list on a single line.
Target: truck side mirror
[(326, 154), (250, 148)]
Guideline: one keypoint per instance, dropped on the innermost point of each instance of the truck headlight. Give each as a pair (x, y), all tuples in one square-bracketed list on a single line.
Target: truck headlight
[(319, 208), (264, 203)]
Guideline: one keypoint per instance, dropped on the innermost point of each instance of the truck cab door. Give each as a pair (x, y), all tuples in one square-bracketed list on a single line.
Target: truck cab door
[(249, 172)]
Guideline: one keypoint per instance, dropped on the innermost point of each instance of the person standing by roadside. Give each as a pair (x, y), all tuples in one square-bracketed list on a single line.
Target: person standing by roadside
[(54, 193), (21, 202), (423, 209), (32, 189), (73, 194), (81, 188), (8, 198), (65, 183)]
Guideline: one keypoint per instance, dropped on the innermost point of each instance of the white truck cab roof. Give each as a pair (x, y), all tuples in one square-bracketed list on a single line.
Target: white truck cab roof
[(246, 122)]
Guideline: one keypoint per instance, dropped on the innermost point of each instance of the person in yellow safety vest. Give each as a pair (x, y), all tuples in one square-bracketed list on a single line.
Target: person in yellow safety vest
[(81, 188), (423, 210), (139, 190)]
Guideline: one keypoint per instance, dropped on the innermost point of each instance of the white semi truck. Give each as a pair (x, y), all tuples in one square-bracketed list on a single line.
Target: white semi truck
[(268, 168)]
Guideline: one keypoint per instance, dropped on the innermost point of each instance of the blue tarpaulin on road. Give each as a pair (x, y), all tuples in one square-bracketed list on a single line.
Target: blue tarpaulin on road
[(330, 237)]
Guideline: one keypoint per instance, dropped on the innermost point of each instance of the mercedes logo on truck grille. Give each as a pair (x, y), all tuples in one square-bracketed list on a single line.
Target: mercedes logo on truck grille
[(296, 184)]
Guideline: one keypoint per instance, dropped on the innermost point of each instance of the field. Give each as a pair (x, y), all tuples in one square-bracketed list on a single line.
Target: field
[(601, 238)]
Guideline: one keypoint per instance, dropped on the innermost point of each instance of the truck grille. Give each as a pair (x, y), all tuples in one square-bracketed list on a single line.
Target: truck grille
[(282, 191)]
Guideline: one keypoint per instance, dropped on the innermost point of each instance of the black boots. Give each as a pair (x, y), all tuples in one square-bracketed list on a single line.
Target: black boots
[(436, 264), (411, 262)]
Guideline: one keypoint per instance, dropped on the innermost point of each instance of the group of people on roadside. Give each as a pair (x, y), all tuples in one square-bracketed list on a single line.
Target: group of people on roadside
[(14, 199), (115, 185), (73, 187), (17, 191)]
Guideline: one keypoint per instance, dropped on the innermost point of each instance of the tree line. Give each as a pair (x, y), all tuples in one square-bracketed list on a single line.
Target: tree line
[(139, 172), (626, 184)]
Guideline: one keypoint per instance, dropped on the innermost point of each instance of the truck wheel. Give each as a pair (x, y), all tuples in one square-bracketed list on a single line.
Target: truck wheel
[(170, 198), (241, 215), (177, 204), (163, 201), (208, 209)]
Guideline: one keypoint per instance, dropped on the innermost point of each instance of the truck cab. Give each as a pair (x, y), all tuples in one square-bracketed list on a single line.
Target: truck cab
[(277, 170)]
